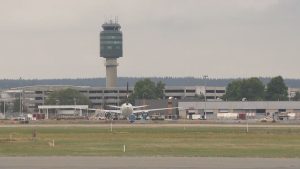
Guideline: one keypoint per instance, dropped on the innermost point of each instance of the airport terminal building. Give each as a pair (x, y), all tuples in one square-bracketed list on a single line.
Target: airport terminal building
[(182, 96), (34, 96)]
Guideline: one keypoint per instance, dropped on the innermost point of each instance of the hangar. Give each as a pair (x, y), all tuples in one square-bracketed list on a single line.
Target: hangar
[(238, 109), (63, 111)]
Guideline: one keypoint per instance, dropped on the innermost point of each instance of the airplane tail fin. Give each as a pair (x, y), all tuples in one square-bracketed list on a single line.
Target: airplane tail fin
[(127, 95)]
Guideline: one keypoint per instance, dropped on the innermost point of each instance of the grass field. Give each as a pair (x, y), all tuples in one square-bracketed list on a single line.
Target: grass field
[(154, 141)]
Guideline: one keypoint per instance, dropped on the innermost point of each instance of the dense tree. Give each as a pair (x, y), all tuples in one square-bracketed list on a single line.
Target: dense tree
[(276, 89), (147, 89), (233, 91), (252, 89), (67, 97), (160, 86), (1, 107), (296, 97)]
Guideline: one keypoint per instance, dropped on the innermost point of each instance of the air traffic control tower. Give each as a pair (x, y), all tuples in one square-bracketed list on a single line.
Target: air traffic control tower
[(111, 48)]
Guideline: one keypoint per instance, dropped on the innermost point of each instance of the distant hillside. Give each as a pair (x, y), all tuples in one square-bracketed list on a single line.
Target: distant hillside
[(169, 81)]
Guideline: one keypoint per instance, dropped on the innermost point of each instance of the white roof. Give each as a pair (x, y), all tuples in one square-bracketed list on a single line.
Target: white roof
[(241, 105), (63, 107)]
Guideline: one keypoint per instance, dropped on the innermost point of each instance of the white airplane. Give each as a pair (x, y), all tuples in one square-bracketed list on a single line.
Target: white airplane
[(130, 111)]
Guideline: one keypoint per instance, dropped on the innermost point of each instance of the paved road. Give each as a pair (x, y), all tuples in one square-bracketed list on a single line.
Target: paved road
[(145, 163), (108, 125)]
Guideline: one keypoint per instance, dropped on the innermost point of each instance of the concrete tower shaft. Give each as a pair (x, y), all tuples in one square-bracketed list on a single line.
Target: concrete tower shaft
[(111, 48), (111, 72)]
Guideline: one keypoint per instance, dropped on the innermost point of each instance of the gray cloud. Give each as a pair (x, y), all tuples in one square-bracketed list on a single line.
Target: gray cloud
[(232, 38)]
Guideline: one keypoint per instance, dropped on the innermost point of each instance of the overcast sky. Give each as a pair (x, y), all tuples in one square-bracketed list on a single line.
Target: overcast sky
[(220, 38)]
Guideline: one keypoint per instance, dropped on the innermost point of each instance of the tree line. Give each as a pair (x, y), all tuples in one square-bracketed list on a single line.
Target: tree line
[(253, 89), (169, 81)]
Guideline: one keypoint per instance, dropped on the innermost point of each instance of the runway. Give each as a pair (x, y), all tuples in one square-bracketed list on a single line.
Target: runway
[(146, 163)]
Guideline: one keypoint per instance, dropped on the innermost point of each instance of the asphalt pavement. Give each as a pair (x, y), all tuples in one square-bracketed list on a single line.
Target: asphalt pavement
[(146, 163)]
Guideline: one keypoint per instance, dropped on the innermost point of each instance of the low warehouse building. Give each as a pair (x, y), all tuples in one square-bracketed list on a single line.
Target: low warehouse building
[(63, 111), (239, 109)]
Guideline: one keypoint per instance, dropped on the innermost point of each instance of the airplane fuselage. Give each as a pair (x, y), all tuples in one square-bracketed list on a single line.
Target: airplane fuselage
[(126, 109)]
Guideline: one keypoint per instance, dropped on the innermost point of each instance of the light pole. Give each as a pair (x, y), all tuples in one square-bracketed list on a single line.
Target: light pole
[(21, 113), (144, 100), (56, 112), (205, 77), (74, 105), (4, 108)]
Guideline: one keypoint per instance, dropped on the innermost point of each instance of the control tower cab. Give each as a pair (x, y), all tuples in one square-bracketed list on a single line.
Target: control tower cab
[(111, 40), (111, 48)]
